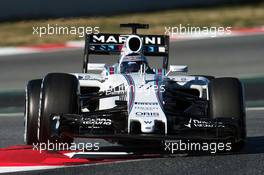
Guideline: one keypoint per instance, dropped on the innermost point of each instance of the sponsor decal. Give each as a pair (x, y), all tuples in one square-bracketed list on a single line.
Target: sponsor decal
[(146, 108), (119, 39), (147, 114), (146, 103), (203, 124), (97, 121), (83, 77)]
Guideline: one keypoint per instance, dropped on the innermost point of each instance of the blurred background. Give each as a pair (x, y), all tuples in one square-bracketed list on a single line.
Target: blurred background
[(17, 18)]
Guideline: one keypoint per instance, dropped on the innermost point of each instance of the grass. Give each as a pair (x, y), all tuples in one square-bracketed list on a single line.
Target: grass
[(20, 33)]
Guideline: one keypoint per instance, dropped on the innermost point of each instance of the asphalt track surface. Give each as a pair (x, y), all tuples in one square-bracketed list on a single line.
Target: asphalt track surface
[(236, 56), (249, 161)]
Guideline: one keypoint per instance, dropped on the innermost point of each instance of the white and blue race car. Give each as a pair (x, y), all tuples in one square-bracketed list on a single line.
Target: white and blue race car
[(130, 101)]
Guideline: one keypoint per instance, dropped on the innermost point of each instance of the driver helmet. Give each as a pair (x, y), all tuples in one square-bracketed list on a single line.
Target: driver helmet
[(132, 63)]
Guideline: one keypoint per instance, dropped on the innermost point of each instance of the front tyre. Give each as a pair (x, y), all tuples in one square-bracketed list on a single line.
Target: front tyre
[(59, 96), (31, 111), (227, 101)]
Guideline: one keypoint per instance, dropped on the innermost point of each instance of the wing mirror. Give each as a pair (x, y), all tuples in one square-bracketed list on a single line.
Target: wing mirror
[(96, 66)]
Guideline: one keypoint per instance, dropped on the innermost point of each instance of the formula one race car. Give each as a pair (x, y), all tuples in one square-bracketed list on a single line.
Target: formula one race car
[(130, 101)]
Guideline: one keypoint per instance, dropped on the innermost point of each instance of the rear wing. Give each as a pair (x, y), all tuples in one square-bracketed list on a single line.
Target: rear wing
[(111, 44)]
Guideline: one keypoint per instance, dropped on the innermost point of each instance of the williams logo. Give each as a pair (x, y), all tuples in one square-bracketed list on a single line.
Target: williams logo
[(147, 122)]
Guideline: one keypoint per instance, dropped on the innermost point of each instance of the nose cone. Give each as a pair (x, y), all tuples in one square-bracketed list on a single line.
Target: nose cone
[(147, 126)]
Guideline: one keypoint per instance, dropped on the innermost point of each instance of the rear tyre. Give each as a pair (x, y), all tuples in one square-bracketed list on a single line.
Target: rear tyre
[(59, 96), (227, 101), (31, 111)]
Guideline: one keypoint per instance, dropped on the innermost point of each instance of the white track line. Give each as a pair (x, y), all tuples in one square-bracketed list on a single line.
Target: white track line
[(11, 169), (96, 153), (255, 109), (17, 114)]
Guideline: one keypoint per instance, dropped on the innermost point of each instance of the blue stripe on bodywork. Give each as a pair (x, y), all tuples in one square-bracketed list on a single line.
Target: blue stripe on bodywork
[(157, 82), (131, 84)]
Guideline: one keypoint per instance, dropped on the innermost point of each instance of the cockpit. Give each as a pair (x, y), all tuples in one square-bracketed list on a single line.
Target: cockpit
[(134, 63)]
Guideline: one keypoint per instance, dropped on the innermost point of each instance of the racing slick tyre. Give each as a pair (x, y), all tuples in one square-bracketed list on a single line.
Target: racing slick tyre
[(59, 95), (31, 111), (227, 101)]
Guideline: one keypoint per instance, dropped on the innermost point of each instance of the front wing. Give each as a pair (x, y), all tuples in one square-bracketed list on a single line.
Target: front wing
[(113, 124)]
